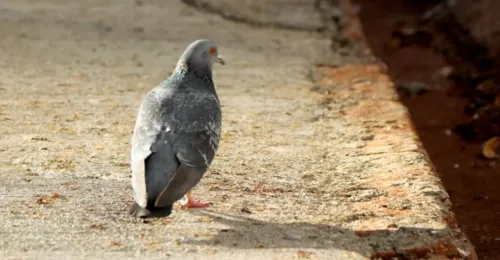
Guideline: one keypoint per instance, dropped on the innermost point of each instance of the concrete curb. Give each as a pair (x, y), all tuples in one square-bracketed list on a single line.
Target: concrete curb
[(281, 13), (378, 103), (403, 173)]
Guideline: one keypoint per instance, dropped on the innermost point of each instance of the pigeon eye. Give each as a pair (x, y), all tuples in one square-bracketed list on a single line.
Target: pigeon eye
[(212, 51)]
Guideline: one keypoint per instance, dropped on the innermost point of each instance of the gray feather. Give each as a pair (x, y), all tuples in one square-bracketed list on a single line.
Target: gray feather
[(176, 136)]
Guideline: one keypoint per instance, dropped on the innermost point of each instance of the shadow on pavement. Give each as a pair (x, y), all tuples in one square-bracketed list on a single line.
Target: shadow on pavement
[(246, 232)]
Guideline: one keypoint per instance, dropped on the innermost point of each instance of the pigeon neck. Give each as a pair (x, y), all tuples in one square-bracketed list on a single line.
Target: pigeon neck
[(202, 72)]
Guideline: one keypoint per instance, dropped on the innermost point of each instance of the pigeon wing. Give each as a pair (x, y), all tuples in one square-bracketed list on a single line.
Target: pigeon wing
[(153, 162), (194, 147)]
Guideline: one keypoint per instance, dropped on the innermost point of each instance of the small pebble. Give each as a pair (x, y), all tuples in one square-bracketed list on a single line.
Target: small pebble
[(413, 87), (445, 71), (246, 210)]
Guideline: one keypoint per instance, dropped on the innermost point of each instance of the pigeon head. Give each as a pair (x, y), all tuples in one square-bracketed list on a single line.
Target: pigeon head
[(199, 57)]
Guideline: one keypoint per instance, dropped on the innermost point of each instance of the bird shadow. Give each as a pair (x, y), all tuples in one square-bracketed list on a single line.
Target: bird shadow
[(246, 232)]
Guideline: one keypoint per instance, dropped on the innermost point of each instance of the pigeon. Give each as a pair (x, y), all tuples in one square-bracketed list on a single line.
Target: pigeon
[(176, 134)]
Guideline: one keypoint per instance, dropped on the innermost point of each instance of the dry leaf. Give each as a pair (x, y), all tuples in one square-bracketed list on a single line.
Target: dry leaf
[(42, 201), (47, 199), (303, 254), (246, 210), (123, 164), (491, 148), (97, 226), (116, 243)]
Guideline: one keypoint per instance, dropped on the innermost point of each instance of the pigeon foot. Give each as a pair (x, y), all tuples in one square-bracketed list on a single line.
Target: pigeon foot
[(192, 203)]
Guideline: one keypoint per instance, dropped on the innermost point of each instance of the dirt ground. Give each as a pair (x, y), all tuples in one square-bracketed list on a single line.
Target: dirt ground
[(471, 181), (294, 177)]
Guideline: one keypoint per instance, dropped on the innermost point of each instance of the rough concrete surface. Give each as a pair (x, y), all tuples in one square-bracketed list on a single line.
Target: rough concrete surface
[(325, 170)]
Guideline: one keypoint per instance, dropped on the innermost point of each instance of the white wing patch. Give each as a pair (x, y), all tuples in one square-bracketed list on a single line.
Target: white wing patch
[(139, 183), (141, 149)]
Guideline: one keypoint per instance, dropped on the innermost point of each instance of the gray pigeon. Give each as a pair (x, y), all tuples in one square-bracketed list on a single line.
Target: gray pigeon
[(176, 134)]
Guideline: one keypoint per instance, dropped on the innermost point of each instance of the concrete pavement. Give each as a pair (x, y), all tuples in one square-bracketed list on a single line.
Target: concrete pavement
[(315, 162)]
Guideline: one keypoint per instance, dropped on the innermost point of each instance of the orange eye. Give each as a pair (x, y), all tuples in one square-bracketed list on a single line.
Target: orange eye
[(212, 51)]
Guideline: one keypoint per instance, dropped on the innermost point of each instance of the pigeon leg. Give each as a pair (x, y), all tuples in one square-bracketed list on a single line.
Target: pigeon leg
[(191, 203)]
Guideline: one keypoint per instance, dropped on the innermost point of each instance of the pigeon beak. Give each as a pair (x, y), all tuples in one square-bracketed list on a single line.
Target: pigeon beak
[(220, 60)]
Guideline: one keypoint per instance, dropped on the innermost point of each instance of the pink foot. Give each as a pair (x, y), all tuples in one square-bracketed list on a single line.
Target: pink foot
[(195, 204)]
